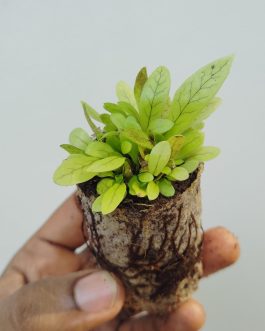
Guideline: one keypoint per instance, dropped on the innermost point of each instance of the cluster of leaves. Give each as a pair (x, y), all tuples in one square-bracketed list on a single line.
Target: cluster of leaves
[(146, 141)]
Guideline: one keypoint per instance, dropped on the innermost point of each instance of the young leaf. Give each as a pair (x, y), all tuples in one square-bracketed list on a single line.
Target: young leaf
[(119, 178), (139, 190), (176, 142), (109, 126), (160, 125), (112, 198), (138, 137), (91, 111), (196, 92), (127, 170), (190, 165), (193, 140), (131, 123), (99, 149), (118, 120), (179, 162), (152, 190), (159, 157), (145, 177), (125, 94), (128, 109), (166, 171), (113, 108), (107, 164), (93, 127), (104, 184), (166, 188), (179, 173), (140, 80), (79, 138), (71, 149), (154, 96), (96, 205), (206, 153), (73, 170), (114, 142), (126, 147)]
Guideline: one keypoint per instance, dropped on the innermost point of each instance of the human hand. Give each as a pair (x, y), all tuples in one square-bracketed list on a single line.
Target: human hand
[(48, 287)]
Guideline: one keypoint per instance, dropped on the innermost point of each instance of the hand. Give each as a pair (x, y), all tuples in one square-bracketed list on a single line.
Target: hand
[(48, 287)]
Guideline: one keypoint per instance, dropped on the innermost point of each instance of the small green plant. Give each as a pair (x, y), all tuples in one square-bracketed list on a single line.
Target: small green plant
[(146, 141)]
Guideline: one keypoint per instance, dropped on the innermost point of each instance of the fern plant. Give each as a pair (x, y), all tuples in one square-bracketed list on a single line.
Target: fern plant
[(145, 141)]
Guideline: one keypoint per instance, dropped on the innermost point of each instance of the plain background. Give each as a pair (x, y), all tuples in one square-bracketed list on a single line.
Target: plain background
[(55, 53)]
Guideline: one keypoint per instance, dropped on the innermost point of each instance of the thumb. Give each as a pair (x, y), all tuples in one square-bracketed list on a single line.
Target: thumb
[(78, 301)]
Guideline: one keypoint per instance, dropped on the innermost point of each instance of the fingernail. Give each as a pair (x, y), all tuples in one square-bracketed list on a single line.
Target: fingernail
[(96, 292)]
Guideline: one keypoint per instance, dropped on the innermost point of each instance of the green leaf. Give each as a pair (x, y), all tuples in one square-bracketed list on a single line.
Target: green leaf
[(126, 147), (166, 171), (105, 174), (107, 164), (113, 108), (97, 204), (176, 142), (104, 184), (91, 111), (131, 123), (128, 109), (99, 149), (206, 153), (166, 188), (154, 96), (93, 127), (160, 125), (119, 178), (159, 157), (127, 170), (125, 93), (71, 149), (179, 162), (179, 173), (152, 190), (138, 137), (73, 170), (145, 177), (196, 92), (208, 110), (190, 165), (118, 120), (140, 80), (79, 138), (134, 152), (109, 126), (114, 142), (112, 198), (193, 140), (135, 187)]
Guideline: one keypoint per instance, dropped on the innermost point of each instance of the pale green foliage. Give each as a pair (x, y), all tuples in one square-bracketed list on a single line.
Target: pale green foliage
[(145, 144)]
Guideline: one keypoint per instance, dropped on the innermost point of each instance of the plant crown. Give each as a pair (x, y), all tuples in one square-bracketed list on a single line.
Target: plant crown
[(145, 141)]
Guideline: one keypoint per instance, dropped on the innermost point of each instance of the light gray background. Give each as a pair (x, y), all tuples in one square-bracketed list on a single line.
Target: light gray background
[(55, 53)]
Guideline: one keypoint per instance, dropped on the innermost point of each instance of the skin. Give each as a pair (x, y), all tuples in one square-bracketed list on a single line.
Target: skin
[(36, 289)]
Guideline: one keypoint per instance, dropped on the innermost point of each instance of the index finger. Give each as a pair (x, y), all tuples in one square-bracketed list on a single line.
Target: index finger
[(64, 226)]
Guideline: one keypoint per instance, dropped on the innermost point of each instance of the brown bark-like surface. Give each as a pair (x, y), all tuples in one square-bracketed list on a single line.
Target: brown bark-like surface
[(152, 246)]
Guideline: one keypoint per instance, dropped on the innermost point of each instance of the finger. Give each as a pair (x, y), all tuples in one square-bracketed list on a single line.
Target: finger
[(220, 250), (190, 316), (64, 227), (79, 301)]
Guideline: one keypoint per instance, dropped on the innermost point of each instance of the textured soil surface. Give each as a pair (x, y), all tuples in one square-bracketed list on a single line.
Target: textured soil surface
[(152, 246)]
